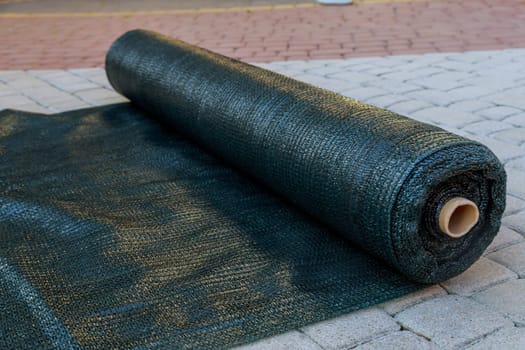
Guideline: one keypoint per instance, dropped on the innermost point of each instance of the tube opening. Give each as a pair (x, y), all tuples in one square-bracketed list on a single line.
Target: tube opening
[(458, 216)]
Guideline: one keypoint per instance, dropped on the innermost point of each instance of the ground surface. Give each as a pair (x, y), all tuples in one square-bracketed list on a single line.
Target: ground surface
[(476, 94), (32, 39), (73, 6)]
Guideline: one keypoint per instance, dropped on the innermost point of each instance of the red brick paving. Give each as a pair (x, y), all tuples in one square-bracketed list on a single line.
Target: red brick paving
[(280, 34)]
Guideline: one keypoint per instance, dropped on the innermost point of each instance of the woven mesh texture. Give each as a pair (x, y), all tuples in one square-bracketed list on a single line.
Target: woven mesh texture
[(224, 204)]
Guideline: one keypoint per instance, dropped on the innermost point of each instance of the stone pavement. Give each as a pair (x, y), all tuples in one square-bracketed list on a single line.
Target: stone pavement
[(263, 34), (476, 94)]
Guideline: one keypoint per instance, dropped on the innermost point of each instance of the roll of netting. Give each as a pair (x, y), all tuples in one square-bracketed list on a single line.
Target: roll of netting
[(426, 201)]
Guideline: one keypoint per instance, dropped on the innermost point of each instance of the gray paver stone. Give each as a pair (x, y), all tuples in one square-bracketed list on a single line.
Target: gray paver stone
[(398, 340), (513, 135), (486, 127), (481, 275), (442, 115), (503, 150), (402, 303), (504, 339), (518, 164), (516, 222), (439, 83), (352, 329), (286, 341), (516, 119), (513, 257), (498, 112), (507, 298), (451, 321), (505, 238), (513, 205), (471, 105), (409, 107), (364, 93), (14, 101), (516, 182)]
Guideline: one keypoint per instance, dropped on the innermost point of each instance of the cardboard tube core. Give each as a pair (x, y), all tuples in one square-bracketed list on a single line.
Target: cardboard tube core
[(458, 216)]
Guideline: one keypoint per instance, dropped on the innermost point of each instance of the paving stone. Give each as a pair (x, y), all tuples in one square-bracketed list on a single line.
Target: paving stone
[(396, 61), (499, 112), (507, 298), (10, 75), (325, 83), (398, 340), (290, 340), (436, 97), (504, 339), (72, 83), (98, 77), (503, 150), (95, 96), (516, 222), (481, 275), (486, 127), (444, 116), (386, 100), (352, 329), (518, 164), (324, 70), (6, 90), (381, 70), (513, 135), (48, 96), (88, 72), (47, 73), (498, 82), (111, 100), (513, 257), (73, 103), (356, 65), (451, 321), (27, 82), (470, 105), (14, 101), (417, 69), (505, 238), (453, 75), (351, 77), (516, 183), (454, 65), (409, 107), (397, 305), (513, 204), (509, 99), (438, 83), (405, 75), (470, 57), (33, 108), (394, 86), (364, 93), (517, 119), (470, 92)]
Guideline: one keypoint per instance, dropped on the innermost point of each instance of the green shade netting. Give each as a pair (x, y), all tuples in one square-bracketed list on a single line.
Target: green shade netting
[(223, 204)]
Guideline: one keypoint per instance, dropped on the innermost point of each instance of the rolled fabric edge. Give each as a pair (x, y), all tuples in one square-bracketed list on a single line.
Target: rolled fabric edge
[(417, 247), (423, 251)]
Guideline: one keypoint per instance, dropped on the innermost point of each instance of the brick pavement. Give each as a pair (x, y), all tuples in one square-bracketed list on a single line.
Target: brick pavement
[(476, 94), (306, 31), (47, 6)]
